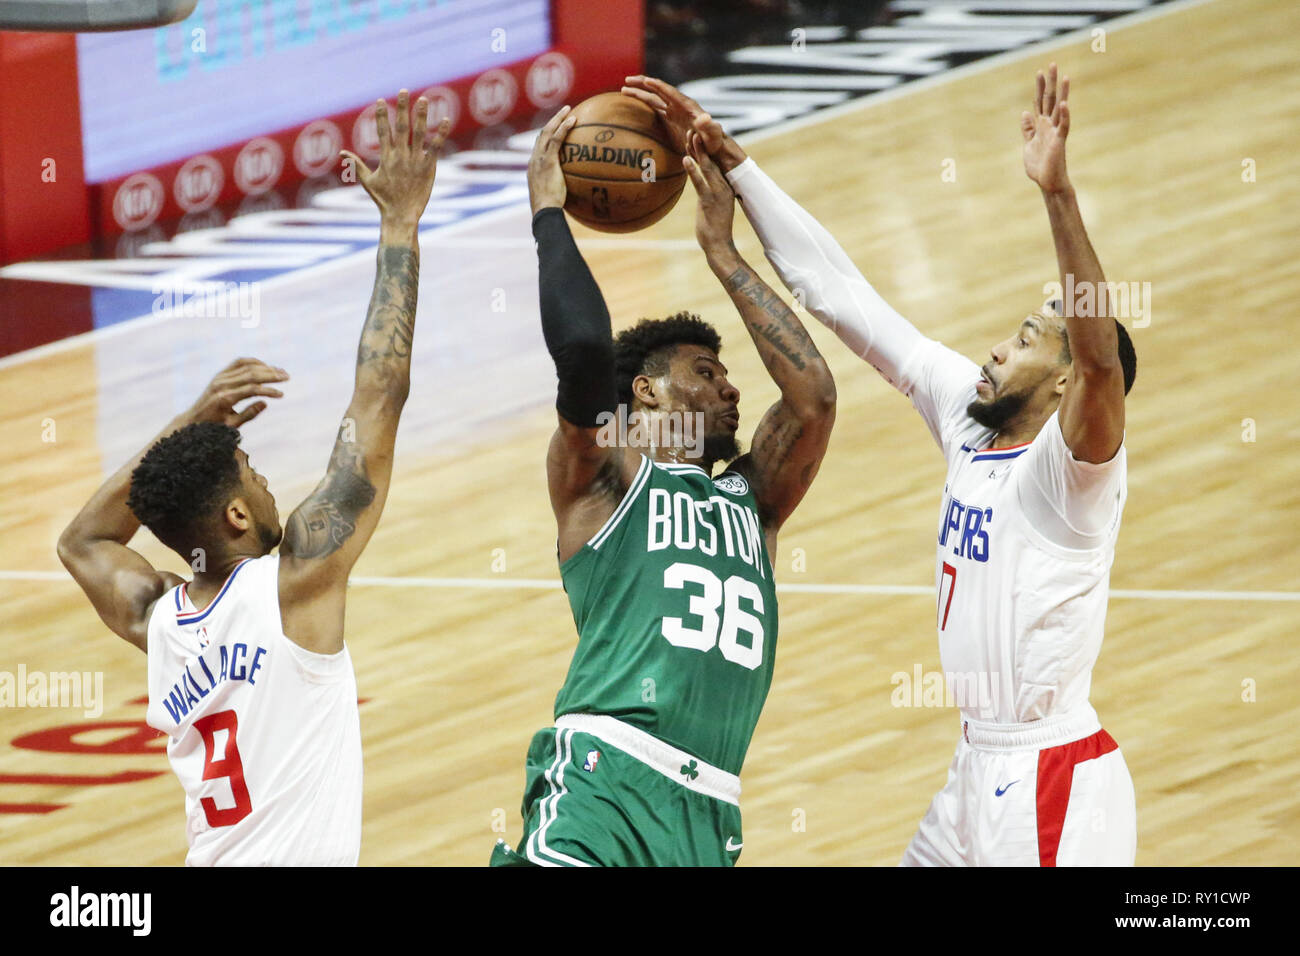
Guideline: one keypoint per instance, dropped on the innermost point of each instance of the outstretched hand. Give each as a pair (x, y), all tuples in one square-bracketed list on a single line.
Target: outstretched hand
[(1044, 129), (243, 378), (717, 203), (687, 122), (401, 185)]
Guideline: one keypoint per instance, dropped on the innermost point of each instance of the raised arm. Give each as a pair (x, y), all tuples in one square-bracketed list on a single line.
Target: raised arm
[(1092, 407), (791, 438), (120, 583), (584, 477), (326, 533), (805, 255)]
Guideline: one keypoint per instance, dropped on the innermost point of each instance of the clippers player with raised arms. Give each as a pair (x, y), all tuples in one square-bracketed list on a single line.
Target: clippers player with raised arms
[(1031, 510), (249, 676), (668, 569)]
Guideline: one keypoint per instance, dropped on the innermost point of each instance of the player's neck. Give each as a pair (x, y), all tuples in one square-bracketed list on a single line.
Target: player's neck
[(679, 456), (1022, 429), (671, 437), (208, 582)]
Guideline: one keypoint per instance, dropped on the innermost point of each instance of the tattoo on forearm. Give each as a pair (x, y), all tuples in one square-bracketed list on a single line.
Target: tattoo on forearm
[(390, 324), (784, 332), (325, 521)]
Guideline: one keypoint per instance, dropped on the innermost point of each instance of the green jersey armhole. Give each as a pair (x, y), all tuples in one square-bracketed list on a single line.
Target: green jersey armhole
[(574, 559), (623, 509)]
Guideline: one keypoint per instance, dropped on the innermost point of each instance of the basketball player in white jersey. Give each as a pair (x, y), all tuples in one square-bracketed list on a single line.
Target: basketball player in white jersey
[(249, 675), (1031, 510)]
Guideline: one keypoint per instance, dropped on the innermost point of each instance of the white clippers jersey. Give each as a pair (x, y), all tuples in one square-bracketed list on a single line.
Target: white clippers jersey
[(1026, 539), (264, 735)]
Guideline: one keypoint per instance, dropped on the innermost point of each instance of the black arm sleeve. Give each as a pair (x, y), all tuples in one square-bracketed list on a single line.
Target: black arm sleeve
[(575, 323)]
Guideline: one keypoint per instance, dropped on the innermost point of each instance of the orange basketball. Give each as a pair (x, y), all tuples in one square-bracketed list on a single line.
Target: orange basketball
[(619, 165)]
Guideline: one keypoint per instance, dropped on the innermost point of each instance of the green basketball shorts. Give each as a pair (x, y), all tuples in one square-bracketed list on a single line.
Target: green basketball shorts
[(600, 792)]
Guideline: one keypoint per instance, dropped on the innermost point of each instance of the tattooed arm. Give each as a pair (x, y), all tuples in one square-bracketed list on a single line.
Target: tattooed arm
[(791, 439), (121, 584), (326, 533)]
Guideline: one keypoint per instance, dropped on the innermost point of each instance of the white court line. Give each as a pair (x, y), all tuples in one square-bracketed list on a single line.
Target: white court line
[(35, 576), (855, 104), (553, 584)]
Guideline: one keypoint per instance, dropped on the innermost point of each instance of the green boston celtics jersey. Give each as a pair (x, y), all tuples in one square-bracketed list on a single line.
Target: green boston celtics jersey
[(676, 613)]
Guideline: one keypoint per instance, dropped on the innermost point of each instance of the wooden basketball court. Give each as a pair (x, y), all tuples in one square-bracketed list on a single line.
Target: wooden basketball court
[(458, 629)]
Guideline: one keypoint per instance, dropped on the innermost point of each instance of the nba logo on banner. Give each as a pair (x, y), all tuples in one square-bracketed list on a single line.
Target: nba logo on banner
[(198, 183), (316, 148), (592, 757), (492, 97), (258, 166), (138, 201), (444, 104), (549, 80)]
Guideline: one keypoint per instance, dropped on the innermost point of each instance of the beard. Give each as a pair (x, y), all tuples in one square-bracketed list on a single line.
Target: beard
[(997, 413), (721, 447)]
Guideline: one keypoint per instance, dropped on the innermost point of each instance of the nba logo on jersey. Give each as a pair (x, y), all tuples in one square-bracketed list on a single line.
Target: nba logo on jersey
[(592, 757)]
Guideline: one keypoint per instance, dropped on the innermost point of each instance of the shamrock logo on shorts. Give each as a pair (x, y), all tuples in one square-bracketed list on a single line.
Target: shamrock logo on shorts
[(690, 770)]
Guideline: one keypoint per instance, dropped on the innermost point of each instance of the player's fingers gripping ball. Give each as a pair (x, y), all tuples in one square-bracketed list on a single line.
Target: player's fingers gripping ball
[(620, 168)]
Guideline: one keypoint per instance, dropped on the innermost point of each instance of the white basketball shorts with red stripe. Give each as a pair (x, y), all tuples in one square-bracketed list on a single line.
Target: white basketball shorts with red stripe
[(1053, 792)]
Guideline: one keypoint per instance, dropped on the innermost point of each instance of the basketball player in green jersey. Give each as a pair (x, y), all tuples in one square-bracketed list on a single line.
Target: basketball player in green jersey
[(667, 568)]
